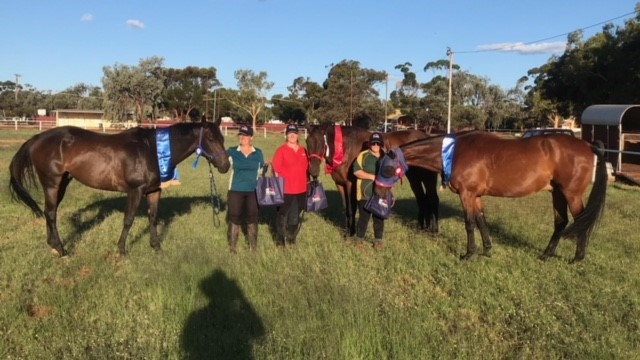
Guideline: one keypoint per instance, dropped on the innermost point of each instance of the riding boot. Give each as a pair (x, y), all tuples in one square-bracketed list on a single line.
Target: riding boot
[(281, 223), (252, 235), (292, 233), (232, 236)]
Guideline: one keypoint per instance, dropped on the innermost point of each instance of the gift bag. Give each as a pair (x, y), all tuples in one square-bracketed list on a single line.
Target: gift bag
[(316, 198), (270, 190), (378, 206)]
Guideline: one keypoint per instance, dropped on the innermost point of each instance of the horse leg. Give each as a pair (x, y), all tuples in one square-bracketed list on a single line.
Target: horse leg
[(345, 206), (468, 207), (421, 198), (430, 180), (153, 199), (481, 222), (576, 207), (350, 192), (53, 196), (133, 201), (560, 221)]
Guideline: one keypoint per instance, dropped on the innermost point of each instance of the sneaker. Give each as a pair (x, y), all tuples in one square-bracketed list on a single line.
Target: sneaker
[(359, 244), (378, 245)]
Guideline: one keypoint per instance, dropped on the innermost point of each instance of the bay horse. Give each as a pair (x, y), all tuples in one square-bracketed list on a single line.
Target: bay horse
[(477, 163), (321, 145), (126, 162)]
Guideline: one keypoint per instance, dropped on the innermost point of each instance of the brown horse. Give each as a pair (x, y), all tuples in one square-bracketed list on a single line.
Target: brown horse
[(321, 146), (476, 164), (126, 162)]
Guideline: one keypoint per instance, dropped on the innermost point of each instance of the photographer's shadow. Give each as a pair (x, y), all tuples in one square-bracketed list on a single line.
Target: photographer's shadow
[(226, 327)]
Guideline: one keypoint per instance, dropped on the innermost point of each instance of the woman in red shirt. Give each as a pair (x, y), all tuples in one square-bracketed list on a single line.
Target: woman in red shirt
[(291, 163)]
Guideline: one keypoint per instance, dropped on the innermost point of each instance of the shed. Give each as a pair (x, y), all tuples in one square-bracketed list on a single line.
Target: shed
[(618, 127), (88, 119)]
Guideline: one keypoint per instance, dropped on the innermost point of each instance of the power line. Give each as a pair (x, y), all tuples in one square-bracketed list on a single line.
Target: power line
[(555, 36)]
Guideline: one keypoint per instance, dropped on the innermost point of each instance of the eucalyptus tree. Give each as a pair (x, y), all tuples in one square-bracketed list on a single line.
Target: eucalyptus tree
[(80, 96), (132, 88), (350, 92), (187, 91), (601, 69), (251, 97), (300, 104)]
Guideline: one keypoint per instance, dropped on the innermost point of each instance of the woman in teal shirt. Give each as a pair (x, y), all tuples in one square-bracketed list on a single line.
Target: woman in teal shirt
[(246, 164)]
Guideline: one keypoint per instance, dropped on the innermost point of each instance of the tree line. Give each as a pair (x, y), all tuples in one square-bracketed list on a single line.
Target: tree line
[(602, 69)]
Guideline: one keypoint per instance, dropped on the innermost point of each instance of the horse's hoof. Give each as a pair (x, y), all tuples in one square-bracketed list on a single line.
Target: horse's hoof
[(545, 257), (487, 253), (466, 256), (575, 260), (58, 253)]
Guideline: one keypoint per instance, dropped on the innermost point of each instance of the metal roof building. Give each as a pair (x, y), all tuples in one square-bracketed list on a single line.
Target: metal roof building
[(618, 127)]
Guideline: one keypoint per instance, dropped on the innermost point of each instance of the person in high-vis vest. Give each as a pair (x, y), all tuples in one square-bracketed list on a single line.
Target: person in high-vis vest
[(365, 168)]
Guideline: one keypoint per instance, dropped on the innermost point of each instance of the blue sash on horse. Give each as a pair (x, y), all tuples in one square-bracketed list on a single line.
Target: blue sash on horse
[(448, 145), (168, 171)]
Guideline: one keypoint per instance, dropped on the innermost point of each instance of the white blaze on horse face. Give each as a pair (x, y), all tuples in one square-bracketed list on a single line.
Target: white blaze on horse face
[(326, 145)]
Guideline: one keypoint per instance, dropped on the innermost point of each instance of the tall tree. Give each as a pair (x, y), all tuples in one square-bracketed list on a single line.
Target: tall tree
[(252, 93), (187, 91), (350, 92), (132, 88)]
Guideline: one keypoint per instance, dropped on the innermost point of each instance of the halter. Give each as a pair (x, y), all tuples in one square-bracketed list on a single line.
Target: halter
[(325, 150), (200, 151), (400, 168)]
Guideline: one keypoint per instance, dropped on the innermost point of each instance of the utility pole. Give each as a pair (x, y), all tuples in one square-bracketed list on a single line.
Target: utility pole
[(206, 100), (17, 88), (350, 97), (386, 86), (450, 55)]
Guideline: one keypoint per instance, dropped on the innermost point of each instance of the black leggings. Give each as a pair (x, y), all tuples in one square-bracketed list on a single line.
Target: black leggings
[(242, 205), (363, 221), (292, 208)]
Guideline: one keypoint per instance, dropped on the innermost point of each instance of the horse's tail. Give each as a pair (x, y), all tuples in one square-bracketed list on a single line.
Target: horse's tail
[(22, 175), (587, 221)]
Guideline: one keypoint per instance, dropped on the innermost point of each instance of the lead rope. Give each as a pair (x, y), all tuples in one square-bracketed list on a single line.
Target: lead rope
[(215, 198)]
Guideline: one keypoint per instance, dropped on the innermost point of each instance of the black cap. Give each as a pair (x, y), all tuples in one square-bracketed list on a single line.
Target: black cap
[(245, 130), (376, 138), (291, 128)]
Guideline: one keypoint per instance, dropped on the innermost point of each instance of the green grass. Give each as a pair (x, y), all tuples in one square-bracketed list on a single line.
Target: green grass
[(321, 300)]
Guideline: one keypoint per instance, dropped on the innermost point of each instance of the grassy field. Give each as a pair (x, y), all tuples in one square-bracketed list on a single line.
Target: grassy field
[(322, 300)]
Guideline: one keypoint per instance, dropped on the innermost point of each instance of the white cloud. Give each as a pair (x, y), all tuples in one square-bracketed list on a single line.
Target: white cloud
[(86, 17), (136, 24), (526, 49)]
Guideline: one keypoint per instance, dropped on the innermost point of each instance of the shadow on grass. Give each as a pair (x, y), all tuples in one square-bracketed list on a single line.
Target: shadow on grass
[(226, 327), (93, 214)]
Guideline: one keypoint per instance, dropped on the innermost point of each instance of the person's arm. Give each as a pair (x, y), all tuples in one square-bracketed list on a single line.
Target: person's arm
[(361, 174)]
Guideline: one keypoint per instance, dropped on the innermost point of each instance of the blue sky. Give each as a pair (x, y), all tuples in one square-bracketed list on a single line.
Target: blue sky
[(54, 45)]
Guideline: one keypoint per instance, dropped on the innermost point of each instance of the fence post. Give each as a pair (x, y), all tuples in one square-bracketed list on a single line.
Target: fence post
[(264, 132)]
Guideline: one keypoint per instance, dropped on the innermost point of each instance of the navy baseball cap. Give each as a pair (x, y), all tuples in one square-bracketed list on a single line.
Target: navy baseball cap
[(291, 128), (376, 138), (245, 130)]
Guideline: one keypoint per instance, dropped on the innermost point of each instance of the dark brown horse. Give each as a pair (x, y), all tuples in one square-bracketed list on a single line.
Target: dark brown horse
[(126, 162), (476, 164), (321, 146)]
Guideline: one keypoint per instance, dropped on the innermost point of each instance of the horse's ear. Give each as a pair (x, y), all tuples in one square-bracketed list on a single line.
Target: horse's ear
[(391, 154), (217, 122)]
